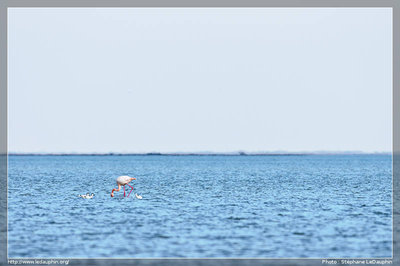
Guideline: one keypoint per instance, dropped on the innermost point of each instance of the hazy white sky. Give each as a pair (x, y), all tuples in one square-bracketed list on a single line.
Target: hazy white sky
[(178, 79)]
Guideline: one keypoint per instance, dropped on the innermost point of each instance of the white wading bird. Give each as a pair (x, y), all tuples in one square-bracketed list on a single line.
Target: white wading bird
[(122, 181), (87, 196)]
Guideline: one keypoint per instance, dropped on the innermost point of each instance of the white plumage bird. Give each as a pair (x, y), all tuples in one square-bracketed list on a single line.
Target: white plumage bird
[(87, 196), (122, 181)]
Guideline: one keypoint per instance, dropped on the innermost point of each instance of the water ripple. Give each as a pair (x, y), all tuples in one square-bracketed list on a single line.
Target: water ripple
[(201, 206)]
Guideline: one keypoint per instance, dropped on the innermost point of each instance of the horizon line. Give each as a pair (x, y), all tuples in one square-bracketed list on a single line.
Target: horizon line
[(205, 153)]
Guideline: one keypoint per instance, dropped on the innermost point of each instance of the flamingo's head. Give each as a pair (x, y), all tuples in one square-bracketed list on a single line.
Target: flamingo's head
[(132, 178)]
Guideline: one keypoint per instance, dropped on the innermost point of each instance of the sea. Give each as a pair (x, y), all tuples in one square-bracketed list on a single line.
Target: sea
[(200, 206)]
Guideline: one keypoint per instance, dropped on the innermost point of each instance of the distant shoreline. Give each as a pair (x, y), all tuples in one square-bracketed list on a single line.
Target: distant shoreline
[(201, 154)]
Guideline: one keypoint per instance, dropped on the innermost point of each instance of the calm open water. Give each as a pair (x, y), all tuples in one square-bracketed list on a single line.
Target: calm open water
[(201, 206)]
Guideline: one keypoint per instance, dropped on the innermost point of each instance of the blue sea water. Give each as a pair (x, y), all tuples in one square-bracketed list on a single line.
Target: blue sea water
[(313, 206)]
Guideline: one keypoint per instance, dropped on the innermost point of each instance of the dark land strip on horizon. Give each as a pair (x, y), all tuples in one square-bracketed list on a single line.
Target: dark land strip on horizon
[(203, 154)]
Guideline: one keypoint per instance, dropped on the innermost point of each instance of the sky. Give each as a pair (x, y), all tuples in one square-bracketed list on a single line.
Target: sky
[(127, 80)]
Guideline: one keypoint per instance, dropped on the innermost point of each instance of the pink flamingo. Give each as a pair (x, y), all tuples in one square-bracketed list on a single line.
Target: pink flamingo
[(122, 181)]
